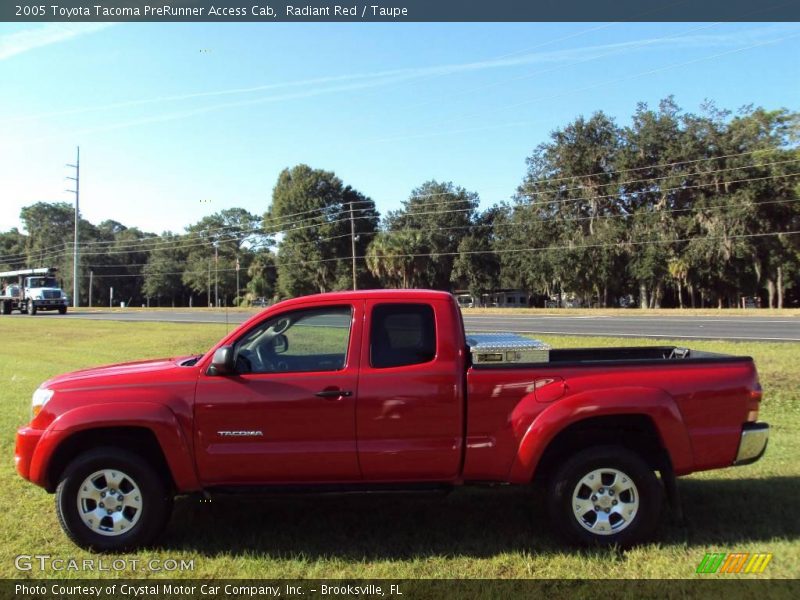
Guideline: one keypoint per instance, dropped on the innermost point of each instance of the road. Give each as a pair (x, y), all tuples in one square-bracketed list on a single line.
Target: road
[(744, 328)]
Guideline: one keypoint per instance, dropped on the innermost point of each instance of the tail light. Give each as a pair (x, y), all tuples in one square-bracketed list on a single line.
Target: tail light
[(753, 402)]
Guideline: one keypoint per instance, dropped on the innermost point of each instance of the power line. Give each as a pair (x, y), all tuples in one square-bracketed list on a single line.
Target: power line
[(155, 239), (182, 237), (423, 213), (696, 210), (679, 174), (515, 250)]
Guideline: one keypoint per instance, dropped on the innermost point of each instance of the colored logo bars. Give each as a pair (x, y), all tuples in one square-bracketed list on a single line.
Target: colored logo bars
[(734, 562)]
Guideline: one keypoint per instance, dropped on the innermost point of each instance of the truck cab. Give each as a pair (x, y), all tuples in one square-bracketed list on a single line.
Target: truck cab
[(30, 291)]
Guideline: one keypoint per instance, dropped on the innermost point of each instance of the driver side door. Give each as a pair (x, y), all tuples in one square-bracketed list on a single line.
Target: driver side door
[(288, 413)]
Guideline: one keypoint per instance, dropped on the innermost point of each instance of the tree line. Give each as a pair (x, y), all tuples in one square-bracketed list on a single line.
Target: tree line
[(674, 209)]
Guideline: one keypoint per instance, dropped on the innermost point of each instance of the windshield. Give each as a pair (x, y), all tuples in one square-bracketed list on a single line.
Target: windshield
[(42, 282)]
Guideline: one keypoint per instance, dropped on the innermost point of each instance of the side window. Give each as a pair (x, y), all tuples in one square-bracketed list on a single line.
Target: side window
[(402, 334), (304, 340)]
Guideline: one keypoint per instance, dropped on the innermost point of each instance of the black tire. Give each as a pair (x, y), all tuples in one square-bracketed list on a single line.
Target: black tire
[(31, 308), (156, 500), (6, 308), (62, 310), (629, 467)]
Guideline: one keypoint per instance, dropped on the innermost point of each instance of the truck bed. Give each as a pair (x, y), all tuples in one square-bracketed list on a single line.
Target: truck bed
[(705, 394), (621, 355)]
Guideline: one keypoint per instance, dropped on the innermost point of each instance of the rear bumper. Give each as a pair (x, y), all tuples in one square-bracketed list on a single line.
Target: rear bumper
[(752, 443)]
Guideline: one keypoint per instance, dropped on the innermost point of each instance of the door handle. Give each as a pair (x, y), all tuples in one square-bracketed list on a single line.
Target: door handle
[(333, 393)]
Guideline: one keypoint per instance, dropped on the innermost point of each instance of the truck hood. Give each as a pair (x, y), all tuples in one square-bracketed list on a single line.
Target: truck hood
[(130, 372)]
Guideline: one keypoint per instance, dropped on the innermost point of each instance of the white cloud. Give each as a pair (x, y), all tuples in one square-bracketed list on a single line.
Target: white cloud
[(696, 37), (355, 81), (18, 42)]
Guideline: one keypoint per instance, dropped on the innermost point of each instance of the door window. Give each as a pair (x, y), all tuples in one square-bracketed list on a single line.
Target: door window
[(303, 340)]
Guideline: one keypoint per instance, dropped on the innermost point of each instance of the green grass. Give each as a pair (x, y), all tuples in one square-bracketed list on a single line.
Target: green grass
[(469, 533)]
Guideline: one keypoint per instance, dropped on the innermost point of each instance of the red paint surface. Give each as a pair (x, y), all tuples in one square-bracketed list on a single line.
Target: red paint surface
[(437, 421)]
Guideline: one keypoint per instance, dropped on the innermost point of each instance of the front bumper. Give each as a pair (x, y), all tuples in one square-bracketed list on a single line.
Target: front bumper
[(752, 443), (27, 440), (50, 303)]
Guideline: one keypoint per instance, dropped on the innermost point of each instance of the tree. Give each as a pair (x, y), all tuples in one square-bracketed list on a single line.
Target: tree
[(263, 276), (51, 231), (397, 259), (163, 271), (571, 184), (441, 214), (653, 195), (310, 210), (116, 259), (477, 267), (12, 250), (213, 246)]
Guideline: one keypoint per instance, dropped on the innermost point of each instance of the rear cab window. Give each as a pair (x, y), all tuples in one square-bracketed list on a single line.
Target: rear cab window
[(401, 335)]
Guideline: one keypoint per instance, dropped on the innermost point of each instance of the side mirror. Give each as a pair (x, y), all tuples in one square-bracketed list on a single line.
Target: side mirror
[(280, 344), (222, 363)]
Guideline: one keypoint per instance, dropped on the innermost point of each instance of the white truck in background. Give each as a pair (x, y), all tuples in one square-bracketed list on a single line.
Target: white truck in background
[(31, 290)]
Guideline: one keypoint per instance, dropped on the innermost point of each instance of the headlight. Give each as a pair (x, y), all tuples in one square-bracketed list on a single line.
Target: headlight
[(40, 398), (38, 296)]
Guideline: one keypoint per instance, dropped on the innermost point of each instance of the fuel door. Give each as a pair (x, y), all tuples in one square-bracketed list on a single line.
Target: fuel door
[(548, 389)]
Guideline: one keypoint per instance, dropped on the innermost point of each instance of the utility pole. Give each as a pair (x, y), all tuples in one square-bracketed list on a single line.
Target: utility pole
[(353, 244), (91, 277), (209, 282), (237, 279), (77, 192), (216, 276)]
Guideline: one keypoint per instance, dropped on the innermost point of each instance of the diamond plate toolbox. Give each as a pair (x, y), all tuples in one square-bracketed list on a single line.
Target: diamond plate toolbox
[(506, 348)]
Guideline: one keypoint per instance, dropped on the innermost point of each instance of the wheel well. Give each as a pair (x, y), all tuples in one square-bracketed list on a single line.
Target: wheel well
[(138, 440), (638, 433)]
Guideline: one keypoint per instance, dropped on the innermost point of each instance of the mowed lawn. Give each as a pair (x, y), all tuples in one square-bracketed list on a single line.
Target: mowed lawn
[(480, 533)]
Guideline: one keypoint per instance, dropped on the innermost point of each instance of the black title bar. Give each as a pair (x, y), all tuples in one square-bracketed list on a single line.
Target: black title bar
[(275, 11)]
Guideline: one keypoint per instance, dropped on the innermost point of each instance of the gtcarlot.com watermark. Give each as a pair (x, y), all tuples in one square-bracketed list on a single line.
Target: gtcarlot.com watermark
[(48, 562)]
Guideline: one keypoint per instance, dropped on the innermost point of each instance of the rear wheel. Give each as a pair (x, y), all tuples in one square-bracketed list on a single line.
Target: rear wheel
[(110, 500), (605, 495)]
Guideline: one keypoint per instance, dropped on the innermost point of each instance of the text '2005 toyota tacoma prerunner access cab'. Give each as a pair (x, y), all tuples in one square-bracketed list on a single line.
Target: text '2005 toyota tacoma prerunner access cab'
[(382, 389)]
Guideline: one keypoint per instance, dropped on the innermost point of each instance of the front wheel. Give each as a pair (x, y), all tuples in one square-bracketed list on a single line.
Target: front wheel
[(31, 307), (111, 500), (605, 495), (62, 310)]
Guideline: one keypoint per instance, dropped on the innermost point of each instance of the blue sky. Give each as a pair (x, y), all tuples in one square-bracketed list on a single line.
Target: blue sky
[(170, 115)]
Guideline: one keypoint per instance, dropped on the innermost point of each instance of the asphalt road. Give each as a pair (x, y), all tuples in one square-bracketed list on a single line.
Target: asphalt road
[(784, 329)]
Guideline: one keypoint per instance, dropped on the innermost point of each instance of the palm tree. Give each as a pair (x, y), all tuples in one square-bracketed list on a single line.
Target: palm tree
[(393, 258)]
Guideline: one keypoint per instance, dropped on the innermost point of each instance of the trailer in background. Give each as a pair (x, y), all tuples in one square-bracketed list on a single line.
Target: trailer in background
[(31, 290)]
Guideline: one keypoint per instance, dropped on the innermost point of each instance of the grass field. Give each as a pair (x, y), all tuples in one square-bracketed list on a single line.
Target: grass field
[(566, 312), (469, 533)]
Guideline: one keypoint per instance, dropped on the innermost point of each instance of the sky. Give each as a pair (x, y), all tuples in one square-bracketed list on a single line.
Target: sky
[(177, 121)]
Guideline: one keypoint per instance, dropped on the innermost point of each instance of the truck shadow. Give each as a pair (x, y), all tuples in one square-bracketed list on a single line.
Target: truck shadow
[(467, 522)]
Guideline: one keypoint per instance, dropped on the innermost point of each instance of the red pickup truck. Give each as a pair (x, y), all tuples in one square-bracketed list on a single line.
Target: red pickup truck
[(374, 390)]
